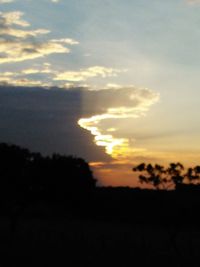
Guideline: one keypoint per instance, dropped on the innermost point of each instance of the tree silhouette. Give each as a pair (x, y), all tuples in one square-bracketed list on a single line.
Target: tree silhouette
[(27, 177), (172, 176), (22, 171)]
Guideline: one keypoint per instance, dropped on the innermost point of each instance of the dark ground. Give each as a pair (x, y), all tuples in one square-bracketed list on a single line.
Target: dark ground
[(44, 238)]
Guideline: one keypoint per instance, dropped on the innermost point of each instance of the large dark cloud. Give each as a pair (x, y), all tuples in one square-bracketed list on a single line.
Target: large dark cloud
[(46, 120)]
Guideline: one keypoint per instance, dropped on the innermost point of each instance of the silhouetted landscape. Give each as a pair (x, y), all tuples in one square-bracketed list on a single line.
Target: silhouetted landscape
[(52, 213), (99, 133)]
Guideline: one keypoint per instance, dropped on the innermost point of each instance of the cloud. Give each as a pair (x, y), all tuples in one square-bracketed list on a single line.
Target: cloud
[(14, 17), (19, 44), (45, 69), (85, 74), (111, 105), (54, 120), (22, 34), (79, 108), (28, 77), (53, 75), (8, 19), (6, 1), (10, 1), (16, 51), (13, 79), (46, 121), (65, 40), (8, 81)]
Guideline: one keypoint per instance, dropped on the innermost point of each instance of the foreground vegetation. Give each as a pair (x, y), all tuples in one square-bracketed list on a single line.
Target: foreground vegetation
[(51, 211)]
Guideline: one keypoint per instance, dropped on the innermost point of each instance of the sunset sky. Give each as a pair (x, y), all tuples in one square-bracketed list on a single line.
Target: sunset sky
[(115, 82)]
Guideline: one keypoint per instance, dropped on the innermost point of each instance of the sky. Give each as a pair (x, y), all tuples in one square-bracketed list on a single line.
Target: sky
[(115, 82)]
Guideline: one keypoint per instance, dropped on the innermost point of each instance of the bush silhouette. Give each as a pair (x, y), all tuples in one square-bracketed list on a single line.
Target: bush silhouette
[(172, 176)]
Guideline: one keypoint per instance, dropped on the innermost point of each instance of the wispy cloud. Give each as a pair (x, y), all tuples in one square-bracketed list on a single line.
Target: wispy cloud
[(65, 41), (14, 17), (10, 1), (51, 73), (23, 82), (18, 51), (6, 1), (19, 44), (22, 34), (10, 19), (45, 69), (15, 79), (25, 77), (85, 74)]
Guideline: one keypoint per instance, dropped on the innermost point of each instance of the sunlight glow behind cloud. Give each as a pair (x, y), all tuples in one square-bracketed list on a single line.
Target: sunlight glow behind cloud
[(141, 100)]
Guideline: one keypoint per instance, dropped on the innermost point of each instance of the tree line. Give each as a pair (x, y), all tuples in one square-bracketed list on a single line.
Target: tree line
[(26, 173)]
